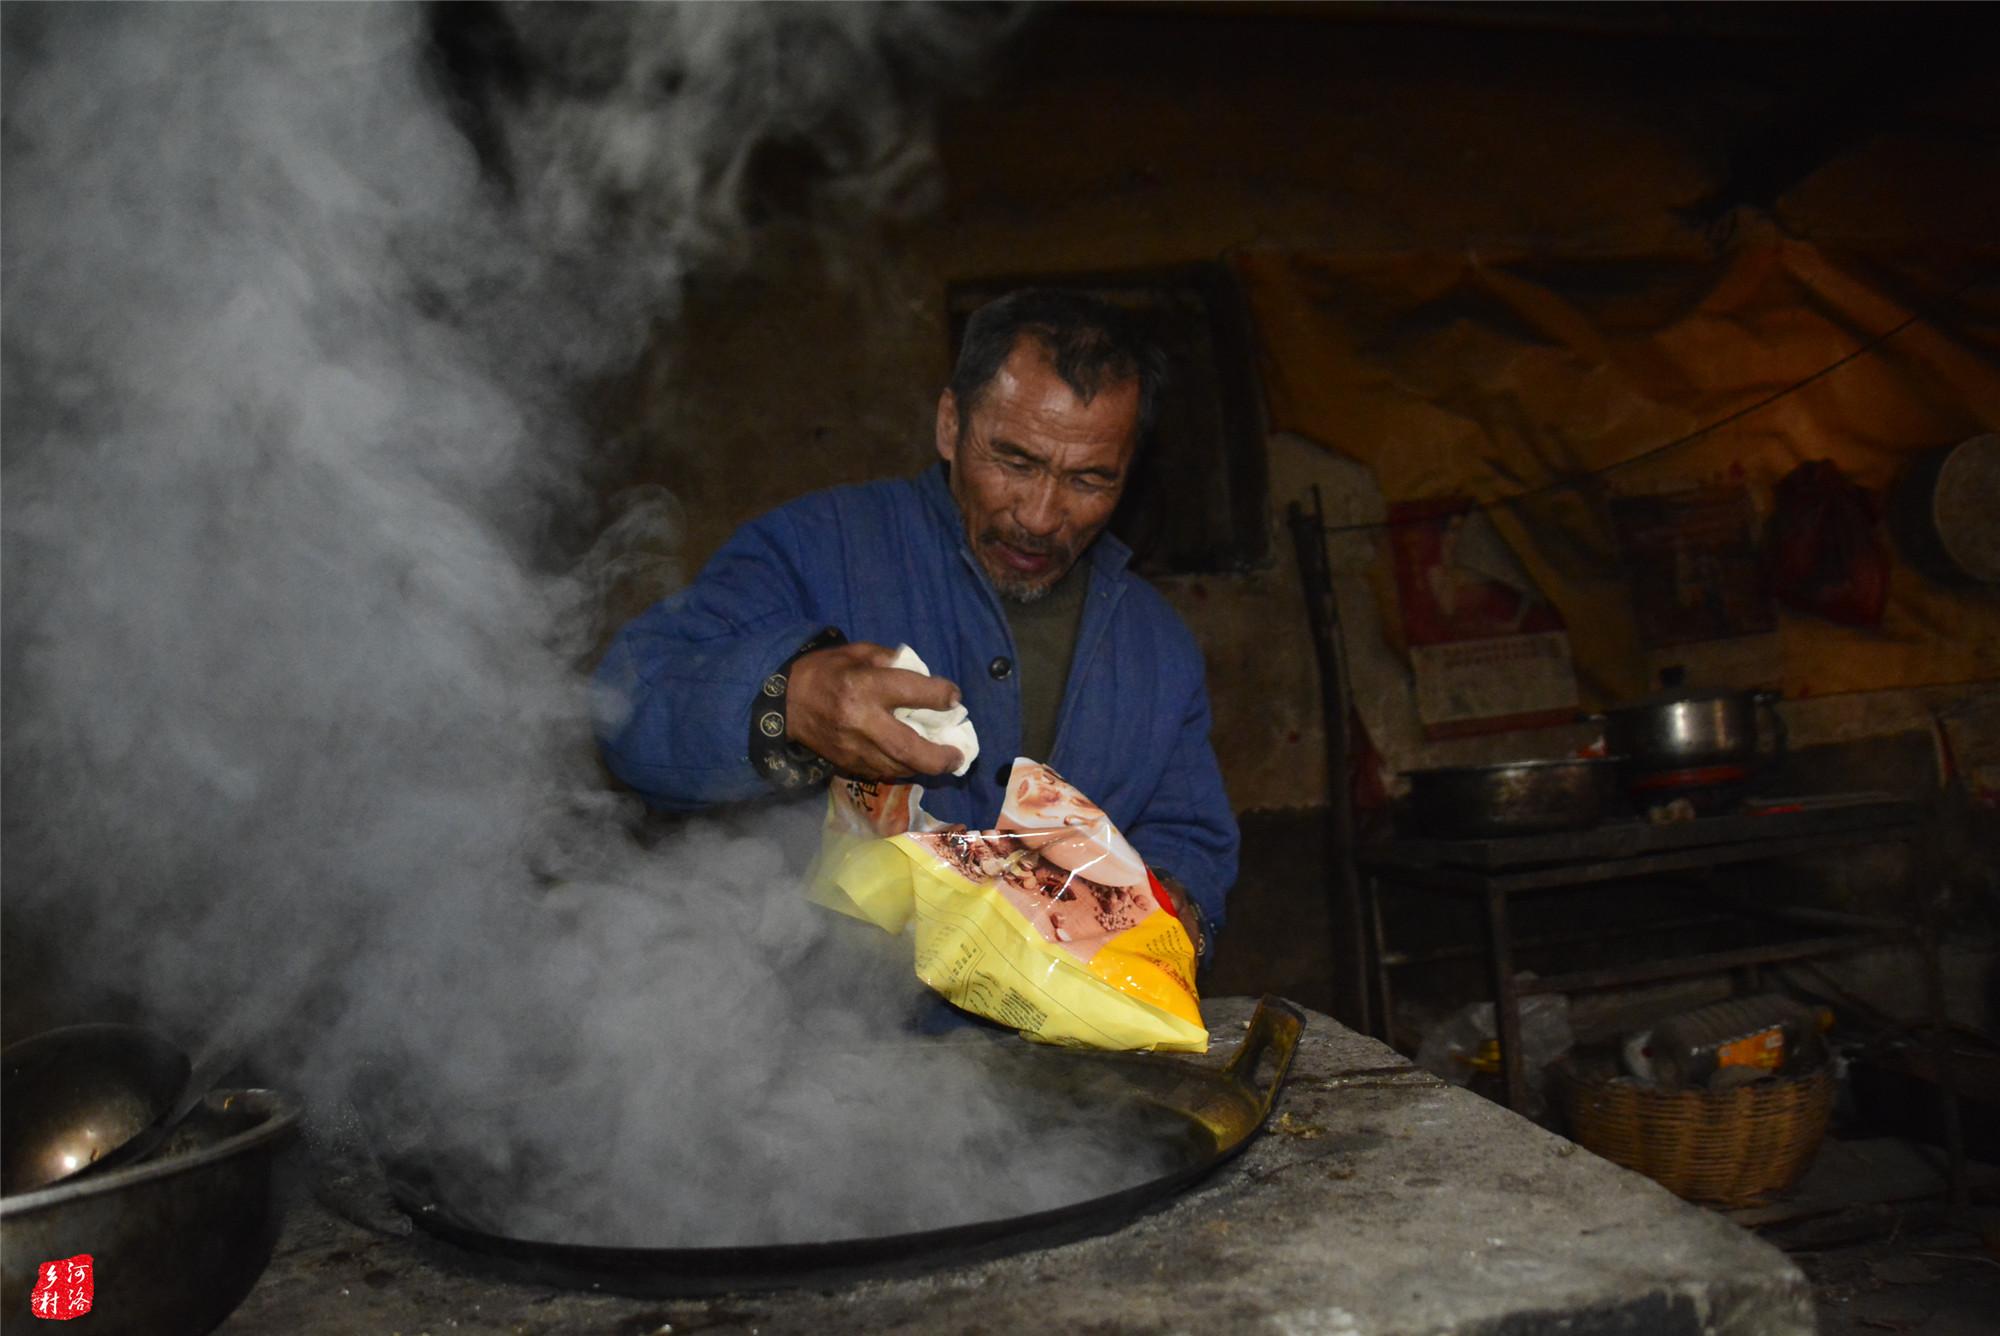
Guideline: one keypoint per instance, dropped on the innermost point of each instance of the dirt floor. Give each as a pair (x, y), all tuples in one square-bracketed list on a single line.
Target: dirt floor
[(1938, 1279), (1872, 1228)]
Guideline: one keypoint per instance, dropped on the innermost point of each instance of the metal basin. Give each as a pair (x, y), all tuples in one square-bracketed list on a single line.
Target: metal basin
[(1461, 802), (176, 1241)]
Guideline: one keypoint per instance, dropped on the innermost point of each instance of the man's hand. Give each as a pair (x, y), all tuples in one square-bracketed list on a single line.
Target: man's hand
[(1184, 910), (838, 704)]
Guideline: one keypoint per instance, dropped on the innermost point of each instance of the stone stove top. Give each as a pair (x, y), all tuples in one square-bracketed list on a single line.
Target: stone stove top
[(1378, 1200)]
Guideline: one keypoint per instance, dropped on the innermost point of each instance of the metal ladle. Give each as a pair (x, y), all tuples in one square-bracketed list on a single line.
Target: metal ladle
[(72, 1096)]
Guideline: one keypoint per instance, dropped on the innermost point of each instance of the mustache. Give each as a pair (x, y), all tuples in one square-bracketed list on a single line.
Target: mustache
[(1022, 541)]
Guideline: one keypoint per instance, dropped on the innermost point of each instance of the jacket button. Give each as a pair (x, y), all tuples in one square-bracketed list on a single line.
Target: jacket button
[(1000, 669)]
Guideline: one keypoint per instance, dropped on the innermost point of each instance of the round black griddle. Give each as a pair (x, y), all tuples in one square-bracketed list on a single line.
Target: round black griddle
[(1197, 1116)]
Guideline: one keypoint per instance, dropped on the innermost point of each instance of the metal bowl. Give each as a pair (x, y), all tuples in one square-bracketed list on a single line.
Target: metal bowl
[(79, 1096), (176, 1241)]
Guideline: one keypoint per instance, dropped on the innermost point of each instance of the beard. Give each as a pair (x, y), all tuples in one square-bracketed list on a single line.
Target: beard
[(1017, 588)]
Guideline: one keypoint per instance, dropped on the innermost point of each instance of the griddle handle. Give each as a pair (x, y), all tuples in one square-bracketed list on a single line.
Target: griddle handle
[(1274, 1030)]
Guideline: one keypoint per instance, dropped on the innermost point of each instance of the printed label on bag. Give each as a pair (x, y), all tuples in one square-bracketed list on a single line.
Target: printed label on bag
[(1765, 1049)]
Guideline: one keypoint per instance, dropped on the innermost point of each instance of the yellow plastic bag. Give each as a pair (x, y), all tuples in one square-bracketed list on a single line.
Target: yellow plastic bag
[(1051, 924)]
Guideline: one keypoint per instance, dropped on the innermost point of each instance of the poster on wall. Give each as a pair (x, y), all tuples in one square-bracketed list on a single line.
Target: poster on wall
[(1487, 650), (1694, 566)]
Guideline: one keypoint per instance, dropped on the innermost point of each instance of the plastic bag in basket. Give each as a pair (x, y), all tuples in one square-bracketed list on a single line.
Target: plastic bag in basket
[(1051, 923)]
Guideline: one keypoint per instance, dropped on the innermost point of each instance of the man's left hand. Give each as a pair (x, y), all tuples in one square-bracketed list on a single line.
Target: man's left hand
[(1184, 910)]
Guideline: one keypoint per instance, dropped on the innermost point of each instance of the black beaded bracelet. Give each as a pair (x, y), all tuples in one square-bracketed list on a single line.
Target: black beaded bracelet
[(786, 765), (1199, 933)]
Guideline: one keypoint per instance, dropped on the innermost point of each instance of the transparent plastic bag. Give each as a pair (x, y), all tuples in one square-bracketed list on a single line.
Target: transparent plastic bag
[(1465, 1045), (1732, 1042)]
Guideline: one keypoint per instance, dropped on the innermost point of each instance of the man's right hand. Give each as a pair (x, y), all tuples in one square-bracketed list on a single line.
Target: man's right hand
[(838, 704)]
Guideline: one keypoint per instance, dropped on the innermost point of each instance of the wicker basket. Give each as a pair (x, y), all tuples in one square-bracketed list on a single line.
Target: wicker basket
[(1721, 1148)]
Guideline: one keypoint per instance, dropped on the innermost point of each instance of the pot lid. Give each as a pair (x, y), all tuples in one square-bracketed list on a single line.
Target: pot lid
[(1962, 506), (1672, 692), (1690, 695)]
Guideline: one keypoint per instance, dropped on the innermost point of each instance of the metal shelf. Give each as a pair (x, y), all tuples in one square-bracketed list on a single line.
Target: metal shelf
[(1495, 870)]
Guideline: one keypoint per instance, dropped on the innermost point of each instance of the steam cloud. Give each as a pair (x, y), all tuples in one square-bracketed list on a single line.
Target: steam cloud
[(296, 745)]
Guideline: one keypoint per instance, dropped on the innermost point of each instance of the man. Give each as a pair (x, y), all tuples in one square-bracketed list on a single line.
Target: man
[(770, 671)]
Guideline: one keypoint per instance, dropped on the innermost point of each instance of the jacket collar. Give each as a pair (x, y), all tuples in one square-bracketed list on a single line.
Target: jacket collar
[(1107, 555)]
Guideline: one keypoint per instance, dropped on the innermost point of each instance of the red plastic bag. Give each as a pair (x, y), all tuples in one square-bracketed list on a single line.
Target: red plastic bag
[(1826, 551)]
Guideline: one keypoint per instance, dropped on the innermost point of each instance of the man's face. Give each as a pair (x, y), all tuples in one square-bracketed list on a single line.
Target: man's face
[(1037, 471)]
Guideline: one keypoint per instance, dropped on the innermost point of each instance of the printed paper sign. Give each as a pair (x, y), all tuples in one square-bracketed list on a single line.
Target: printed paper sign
[(1474, 685), (1694, 565), (1487, 650)]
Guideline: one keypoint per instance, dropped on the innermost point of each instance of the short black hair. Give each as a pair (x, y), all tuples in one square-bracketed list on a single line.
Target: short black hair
[(1092, 342)]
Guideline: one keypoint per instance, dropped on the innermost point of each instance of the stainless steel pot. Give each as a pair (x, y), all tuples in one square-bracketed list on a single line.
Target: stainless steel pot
[(1682, 729), (1459, 802), (175, 1241)]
